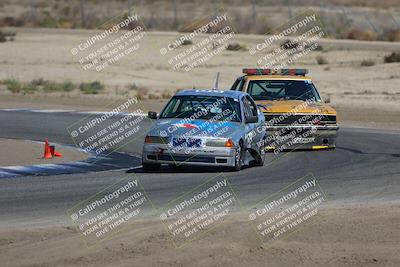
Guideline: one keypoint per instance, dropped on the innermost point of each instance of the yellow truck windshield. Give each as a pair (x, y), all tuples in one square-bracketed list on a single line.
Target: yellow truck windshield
[(282, 90)]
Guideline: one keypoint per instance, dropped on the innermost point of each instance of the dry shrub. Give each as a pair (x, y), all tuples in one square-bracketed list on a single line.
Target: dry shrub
[(321, 60), (393, 57), (187, 42), (11, 35), (94, 87), (154, 96), (65, 24), (13, 85), (47, 86), (391, 36), (358, 34), (236, 47), (16, 86), (166, 94), (141, 93), (367, 92), (193, 25), (139, 96), (184, 42), (2, 37), (367, 63), (12, 22), (367, 3), (289, 44)]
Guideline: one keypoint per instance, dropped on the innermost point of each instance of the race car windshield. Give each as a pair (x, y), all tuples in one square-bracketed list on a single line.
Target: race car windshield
[(283, 90), (203, 107)]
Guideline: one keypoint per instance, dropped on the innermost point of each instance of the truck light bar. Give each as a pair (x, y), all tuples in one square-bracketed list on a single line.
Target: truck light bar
[(301, 72)]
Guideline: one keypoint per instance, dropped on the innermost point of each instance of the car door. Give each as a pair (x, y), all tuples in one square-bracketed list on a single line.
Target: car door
[(252, 136)]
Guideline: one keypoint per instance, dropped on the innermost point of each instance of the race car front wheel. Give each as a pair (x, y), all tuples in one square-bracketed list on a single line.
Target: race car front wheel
[(260, 155), (238, 158)]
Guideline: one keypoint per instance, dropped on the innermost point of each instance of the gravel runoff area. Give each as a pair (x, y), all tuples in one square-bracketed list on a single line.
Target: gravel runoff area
[(147, 244), (24, 152)]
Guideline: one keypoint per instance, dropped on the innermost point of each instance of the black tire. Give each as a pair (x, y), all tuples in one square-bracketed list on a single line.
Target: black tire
[(238, 158), (260, 157), (150, 167)]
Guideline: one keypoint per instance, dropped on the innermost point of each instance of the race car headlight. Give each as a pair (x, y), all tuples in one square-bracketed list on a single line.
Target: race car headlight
[(215, 142), (148, 139), (223, 142), (229, 143)]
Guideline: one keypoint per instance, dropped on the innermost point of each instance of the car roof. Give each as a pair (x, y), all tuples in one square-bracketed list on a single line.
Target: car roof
[(204, 92), (276, 77)]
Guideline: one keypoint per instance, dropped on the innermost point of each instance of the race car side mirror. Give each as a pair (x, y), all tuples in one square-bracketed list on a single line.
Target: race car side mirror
[(152, 115)]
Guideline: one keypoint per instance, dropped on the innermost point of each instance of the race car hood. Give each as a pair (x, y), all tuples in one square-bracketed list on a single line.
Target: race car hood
[(178, 127), (296, 106)]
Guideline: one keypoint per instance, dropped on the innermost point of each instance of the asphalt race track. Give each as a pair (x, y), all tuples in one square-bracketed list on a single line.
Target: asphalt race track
[(363, 169)]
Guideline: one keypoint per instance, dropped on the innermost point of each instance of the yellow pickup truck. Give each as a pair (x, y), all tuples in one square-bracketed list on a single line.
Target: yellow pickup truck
[(296, 116)]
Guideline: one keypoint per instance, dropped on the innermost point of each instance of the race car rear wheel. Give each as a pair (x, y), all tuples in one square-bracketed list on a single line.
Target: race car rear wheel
[(150, 167)]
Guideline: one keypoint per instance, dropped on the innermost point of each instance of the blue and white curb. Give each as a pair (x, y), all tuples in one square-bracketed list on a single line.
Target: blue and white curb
[(44, 169)]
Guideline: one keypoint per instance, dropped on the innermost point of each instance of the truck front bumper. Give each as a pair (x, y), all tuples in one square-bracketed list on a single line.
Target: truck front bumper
[(301, 137)]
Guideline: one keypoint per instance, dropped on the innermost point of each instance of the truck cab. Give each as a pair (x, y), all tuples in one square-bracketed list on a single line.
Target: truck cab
[(296, 116)]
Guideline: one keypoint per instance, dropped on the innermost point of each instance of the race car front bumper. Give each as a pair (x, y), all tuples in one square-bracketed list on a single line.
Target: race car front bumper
[(202, 156), (301, 137)]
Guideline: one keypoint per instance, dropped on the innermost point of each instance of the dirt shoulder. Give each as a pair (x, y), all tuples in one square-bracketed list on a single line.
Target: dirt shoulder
[(336, 240), (342, 77), (365, 96), (21, 152), (368, 118), (77, 103)]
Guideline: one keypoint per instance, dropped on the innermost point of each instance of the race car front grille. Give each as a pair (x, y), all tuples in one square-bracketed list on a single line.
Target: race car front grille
[(197, 158), (286, 119)]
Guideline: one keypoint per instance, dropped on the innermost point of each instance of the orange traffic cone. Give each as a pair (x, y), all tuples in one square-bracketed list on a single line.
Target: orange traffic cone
[(47, 150), (52, 149), (57, 154)]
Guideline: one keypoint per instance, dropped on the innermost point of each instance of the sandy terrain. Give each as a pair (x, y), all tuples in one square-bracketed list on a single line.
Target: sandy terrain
[(336, 240), (19, 152), (341, 16), (364, 96)]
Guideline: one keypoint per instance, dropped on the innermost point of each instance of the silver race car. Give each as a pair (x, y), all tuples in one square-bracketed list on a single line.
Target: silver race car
[(207, 128)]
